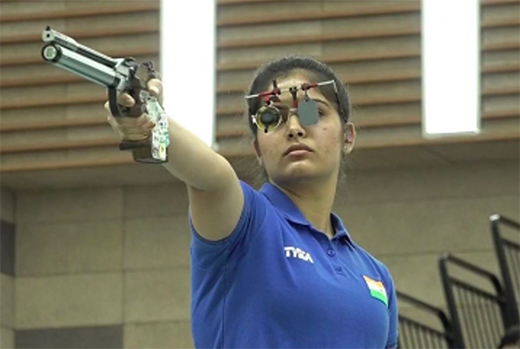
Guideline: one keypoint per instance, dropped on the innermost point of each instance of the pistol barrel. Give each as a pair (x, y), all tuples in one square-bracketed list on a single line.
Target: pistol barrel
[(52, 36), (80, 65)]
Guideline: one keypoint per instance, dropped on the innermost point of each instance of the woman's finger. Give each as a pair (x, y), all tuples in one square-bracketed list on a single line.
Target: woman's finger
[(127, 124), (125, 100), (155, 87), (131, 134)]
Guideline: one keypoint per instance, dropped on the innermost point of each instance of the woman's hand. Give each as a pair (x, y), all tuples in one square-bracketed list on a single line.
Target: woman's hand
[(134, 128)]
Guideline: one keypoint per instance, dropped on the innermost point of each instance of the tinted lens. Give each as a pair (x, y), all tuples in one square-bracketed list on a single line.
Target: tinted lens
[(268, 118)]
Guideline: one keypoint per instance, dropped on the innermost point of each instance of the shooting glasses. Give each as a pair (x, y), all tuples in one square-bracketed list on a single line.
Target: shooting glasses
[(269, 117)]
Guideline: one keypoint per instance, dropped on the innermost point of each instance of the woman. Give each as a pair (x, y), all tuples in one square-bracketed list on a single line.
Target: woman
[(276, 268)]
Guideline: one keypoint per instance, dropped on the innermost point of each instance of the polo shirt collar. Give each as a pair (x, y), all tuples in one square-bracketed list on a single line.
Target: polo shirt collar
[(291, 212), (341, 231)]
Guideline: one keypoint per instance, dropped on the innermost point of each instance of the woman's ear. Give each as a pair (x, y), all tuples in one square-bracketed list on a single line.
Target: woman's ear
[(350, 137)]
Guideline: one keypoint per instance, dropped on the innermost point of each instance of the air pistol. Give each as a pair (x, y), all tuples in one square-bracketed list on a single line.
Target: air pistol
[(117, 75)]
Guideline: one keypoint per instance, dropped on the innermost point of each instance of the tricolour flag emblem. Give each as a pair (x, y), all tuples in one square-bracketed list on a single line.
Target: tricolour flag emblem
[(377, 289)]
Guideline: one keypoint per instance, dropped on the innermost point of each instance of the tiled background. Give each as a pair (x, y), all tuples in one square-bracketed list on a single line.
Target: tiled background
[(7, 250), (108, 267)]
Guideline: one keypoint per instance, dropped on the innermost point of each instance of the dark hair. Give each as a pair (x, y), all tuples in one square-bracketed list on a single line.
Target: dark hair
[(511, 337), (314, 70)]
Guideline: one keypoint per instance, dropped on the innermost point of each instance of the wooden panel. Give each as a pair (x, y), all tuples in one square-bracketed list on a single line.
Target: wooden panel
[(501, 38), (227, 14), (82, 28), (78, 115), (351, 72), (50, 162), (17, 142), (506, 60), (51, 95), (501, 103), (52, 119), (501, 14), (509, 81), (485, 151), (16, 12)]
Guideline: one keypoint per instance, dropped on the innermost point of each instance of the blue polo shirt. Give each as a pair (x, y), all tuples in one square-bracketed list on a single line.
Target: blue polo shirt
[(277, 282)]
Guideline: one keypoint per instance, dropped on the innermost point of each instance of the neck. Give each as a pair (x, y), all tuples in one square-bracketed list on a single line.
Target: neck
[(314, 200)]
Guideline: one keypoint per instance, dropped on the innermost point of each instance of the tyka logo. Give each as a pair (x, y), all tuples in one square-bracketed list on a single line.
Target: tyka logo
[(295, 252)]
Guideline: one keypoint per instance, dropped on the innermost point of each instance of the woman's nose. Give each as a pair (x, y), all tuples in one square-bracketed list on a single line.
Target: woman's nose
[(293, 125)]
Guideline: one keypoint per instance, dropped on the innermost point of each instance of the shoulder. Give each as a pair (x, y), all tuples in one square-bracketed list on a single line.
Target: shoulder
[(257, 200), (256, 203), (251, 192), (255, 212), (258, 216)]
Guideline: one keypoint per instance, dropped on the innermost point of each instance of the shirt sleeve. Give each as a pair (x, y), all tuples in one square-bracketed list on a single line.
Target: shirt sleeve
[(393, 315), (209, 254)]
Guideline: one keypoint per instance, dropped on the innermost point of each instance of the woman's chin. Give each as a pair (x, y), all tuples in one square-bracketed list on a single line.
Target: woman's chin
[(297, 172)]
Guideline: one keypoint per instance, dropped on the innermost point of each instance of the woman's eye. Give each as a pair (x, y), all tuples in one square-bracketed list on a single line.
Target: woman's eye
[(321, 112)]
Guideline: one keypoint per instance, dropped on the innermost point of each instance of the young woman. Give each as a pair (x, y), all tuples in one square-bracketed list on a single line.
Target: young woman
[(275, 268)]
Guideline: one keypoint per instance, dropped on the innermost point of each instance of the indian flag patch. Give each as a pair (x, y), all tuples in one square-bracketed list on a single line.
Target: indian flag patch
[(377, 289)]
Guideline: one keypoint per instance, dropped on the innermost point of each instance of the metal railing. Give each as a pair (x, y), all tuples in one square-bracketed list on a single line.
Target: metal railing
[(414, 334), (508, 255), (479, 318)]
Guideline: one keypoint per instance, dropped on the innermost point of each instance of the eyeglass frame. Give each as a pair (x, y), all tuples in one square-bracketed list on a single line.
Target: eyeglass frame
[(268, 98)]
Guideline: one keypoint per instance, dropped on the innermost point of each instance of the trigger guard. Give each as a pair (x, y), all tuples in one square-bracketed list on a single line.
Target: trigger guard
[(112, 102)]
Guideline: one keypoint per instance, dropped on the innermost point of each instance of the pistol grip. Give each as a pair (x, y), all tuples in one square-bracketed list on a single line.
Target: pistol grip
[(141, 151)]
